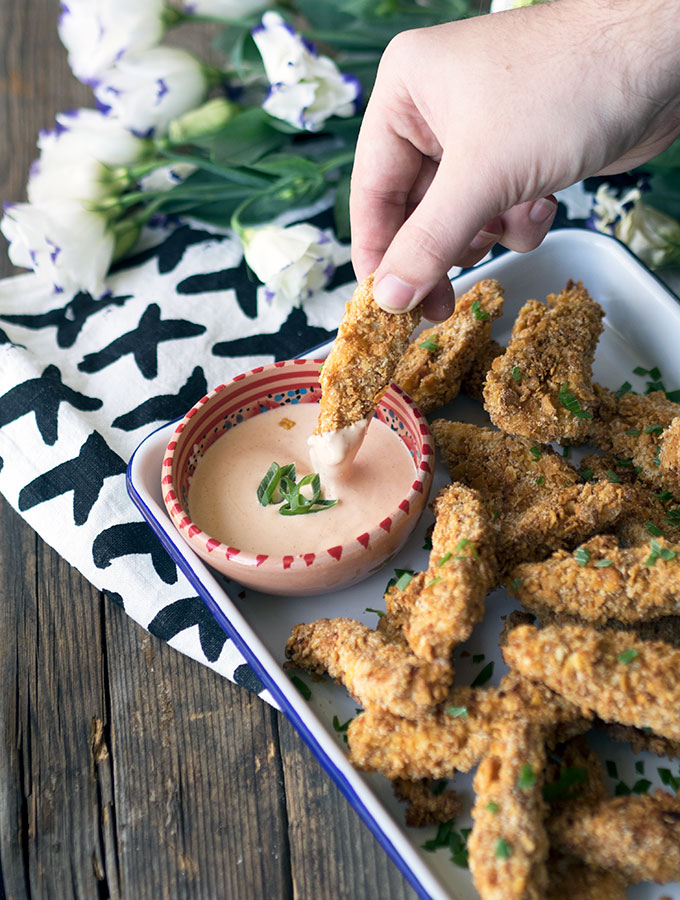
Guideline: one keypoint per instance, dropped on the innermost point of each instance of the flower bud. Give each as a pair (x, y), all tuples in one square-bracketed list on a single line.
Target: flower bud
[(206, 121)]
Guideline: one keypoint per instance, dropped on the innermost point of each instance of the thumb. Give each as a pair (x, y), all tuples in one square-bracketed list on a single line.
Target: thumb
[(436, 236)]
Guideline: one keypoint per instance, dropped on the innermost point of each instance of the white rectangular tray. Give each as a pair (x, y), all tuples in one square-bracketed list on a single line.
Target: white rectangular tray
[(641, 328)]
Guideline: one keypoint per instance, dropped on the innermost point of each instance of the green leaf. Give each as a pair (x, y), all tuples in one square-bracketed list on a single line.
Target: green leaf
[(247, 138), (457, 712), (341, 209), (570, 402), (480, 314), (527, 777), (604, 563), (517, 374), (484, 675), (624, 389), (627, 656), (503, 849), (582, 555), (429, 344), (304, 689)]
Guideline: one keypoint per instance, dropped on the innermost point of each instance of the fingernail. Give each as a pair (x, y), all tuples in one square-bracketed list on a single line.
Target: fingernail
[(541, 211), (483, 239), (394, 295)]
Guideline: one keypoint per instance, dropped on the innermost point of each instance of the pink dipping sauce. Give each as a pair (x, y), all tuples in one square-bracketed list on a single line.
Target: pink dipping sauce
[(223, 493)]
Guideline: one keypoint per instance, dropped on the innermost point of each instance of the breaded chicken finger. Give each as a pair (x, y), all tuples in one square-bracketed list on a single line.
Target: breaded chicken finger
[(610, 673), (362, 361), (434, 365), (508, 845), (449, 600), (541, 387), (372, 668), (455, 736), (638, 835), (600, 582), (572, 878)]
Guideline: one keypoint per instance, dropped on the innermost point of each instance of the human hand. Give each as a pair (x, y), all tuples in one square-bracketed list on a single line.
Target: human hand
[(473, 125)]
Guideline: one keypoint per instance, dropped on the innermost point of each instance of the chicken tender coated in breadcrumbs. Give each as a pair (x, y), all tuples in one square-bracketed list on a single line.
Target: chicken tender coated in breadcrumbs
[(439, 609), (455, 736), (637, 835), (508, 845), (373, 669), (427, 806), (537, 499), (637, 427), (362, 361), (572, 878), (600, 582), (610, 673), (475, 377), (541, 388), (434, 365)]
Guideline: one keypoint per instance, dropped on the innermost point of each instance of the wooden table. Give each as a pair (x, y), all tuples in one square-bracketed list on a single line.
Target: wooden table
[(127, 769)]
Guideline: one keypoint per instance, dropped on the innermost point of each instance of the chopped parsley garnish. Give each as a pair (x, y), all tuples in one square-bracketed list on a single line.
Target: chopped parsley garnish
[(622, 789), (564, 786), (627, 656), (477, 311), (673, 396), (612, 771), (625, 387), (582, 555), (516, 374), (566, 452), (603, 563), (640, 767), (653, 529), (540, 481), (516, 584), (669, 779), (341, 727), (304, 689), (659, 551), (429, 344), (484, 675), (280, 487), (587, 474), (455, 841), (379, 613), (477, 658), (457, 712), (427, 543), (503, 849), (638, 370), (492, 807), (613, 477), (641, 786), (569, 402), (654, 429), (445, 558), (527, 776), (624, 462), (664, 496), (536, 453)]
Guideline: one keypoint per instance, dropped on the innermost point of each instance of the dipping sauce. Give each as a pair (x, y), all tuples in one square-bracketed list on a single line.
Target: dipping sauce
[(223, 494)]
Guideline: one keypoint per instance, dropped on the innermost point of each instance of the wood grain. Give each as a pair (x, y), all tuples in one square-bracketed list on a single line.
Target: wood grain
[(126, 769)]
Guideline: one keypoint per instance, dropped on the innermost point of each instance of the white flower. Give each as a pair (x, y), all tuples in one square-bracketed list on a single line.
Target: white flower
[(650, 234), (148, 89), (305, 88), (293, 262), (97, 33), (71, 249), (228, 9), (78, 157)]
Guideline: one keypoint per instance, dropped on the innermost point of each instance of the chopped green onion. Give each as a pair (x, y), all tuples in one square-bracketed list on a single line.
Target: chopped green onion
[(587, 474), (582, 555), (659, 551), (433, 581), (612, 770), (304, 689), (664, 496), (477, 658), (627, 656), (640, 767), (570, 402), (484, 675), (341, 727), (279, 485), (536, 453), (654, 429), (527, 776), (673, 396), (457, 712), (641, 786), (463, 544), (633, 432), (516, 374), (566, 452), (669, 779), (445, 558), (613, 477), (379, 613), (625, 387), (267, 488), (492, 806), (429, 344), (477, 311), (403, 580), (540, 481), (570, 778), (503, 849), (622, 789), (624, 462), (638, 370), (603, 563), (516, 584), (653, 529)]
